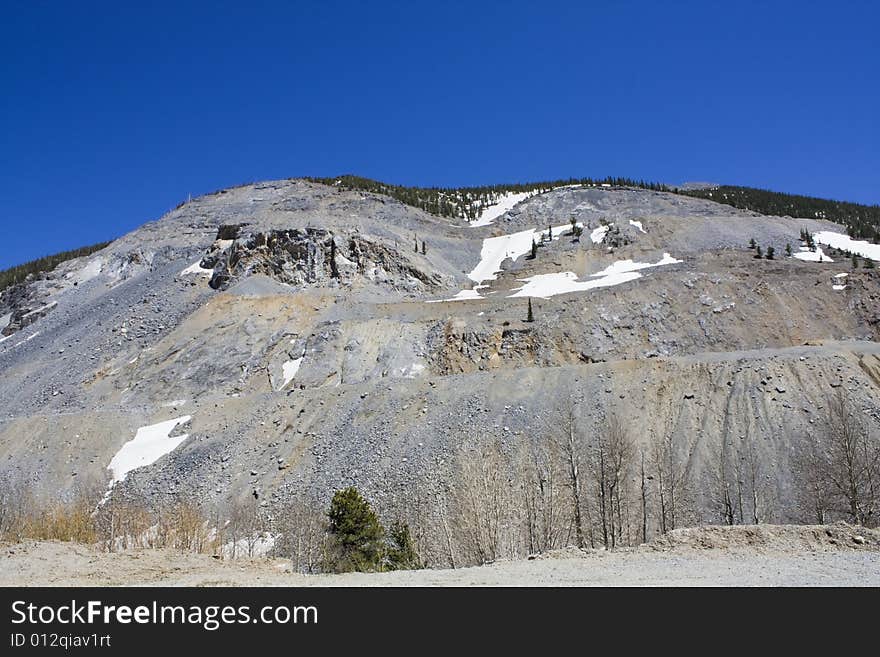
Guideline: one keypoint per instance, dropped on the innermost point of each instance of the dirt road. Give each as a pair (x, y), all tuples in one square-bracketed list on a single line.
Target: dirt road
[(837, 555)]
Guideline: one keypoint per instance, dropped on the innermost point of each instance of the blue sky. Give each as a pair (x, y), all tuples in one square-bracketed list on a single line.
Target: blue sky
[(112, 113)]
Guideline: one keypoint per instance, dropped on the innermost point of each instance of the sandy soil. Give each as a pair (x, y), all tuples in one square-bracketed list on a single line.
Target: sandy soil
[(836, 555)]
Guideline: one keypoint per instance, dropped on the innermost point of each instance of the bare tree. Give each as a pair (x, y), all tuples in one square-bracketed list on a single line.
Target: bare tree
[(482, 502), (612, 459), (303, 532), (643, 491), (672, 465), (541, 480), (719, 484), (811, 466), (852, 463)]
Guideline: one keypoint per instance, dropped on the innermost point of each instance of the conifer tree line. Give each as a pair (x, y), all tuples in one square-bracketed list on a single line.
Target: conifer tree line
[(468, 202), (861, 221), (18, 273)]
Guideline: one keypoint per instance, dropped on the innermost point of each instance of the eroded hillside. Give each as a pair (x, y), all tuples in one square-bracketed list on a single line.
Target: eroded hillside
[(305, 338)]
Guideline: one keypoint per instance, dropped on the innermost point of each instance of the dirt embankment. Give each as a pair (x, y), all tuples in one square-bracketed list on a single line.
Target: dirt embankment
[(766, 555)]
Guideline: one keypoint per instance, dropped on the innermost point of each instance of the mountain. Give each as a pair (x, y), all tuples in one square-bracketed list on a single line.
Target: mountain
[(271, 343)]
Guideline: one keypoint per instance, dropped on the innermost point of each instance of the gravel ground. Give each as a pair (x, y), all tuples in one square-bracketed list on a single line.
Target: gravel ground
[(740, 556)]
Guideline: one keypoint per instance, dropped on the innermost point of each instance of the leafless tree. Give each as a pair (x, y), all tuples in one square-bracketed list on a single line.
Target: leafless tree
[(852, 463), (719, 483), (671, 466), (541, 480), (302, 532), (811, 466), (482, 502), (612, 458)]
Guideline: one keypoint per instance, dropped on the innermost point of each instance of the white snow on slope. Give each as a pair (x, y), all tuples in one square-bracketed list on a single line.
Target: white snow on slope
[(505, 203), (622, 271), (174, 403), (497, 249), (412, 371), (48, 306), (260, 545), (637, 224), (841, 275), (289, 370), (549, 285), (464, 295), (149, 444), (87, 273), (812, 256), (599, 234), (846, 243), (838, 287), (622, 266), (196, 268), (21, 342)]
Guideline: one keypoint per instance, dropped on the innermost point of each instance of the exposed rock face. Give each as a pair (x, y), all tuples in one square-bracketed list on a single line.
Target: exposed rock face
[(292, 322), (23, 304), (313, 257)]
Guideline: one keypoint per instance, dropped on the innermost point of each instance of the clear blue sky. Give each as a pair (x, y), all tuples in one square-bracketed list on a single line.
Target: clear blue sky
[(112, 113)]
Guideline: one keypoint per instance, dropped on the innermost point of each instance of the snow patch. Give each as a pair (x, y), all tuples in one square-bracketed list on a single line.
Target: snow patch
[(497, 249), (412, 371), (599, 234), (48, 306), (812, 256), (257, 546), (623, 266), (289, 370), (27, 339), (549, 285), (838, 287), (149, 444), (87, 273), (622, 271), (505, 202), (174, 403), (846, 243), (196, 268), (637, 224)]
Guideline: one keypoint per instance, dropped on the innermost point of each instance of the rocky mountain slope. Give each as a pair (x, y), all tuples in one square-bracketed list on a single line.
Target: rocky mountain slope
[(304, 337)]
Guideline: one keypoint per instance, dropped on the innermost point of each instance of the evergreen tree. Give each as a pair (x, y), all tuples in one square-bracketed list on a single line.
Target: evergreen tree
[(530, 317), (788, 250), (770, 252), (758, 253), (402, 554), (416, 241), (549, 232), (534, 249), (869, 263), (356, 536), (752, 243), (424, 248), (855, 261)]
